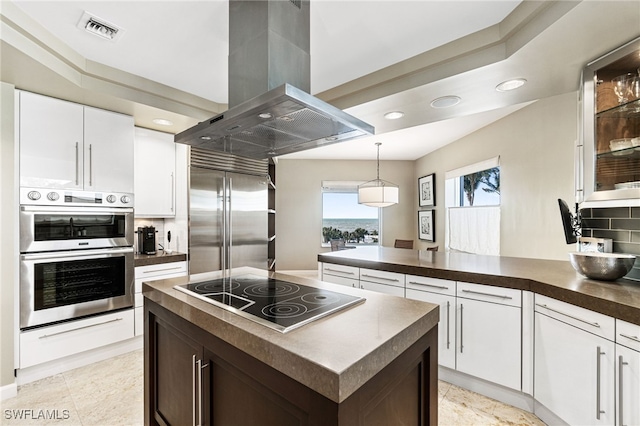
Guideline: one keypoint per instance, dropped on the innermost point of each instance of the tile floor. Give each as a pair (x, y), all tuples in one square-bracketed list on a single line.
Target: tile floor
[(110, 393)]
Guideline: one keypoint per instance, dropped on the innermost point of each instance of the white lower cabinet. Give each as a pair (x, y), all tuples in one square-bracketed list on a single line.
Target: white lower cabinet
[(57, 341), (489, 333), (340, 274), (441, 292), (151, 273), (627, 374), (574, 368)]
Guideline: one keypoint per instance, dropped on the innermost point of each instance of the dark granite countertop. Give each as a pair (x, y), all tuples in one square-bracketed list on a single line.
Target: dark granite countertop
[(334, 355), (554, 278), (158, 258)]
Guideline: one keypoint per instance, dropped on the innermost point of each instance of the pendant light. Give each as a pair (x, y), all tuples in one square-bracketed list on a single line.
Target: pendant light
[(377, 192)]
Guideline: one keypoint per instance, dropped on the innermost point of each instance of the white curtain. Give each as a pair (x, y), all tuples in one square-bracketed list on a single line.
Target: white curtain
[(475, 229)]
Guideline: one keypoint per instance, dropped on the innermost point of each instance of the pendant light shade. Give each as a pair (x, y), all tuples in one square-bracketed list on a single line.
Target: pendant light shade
[(378, 192)]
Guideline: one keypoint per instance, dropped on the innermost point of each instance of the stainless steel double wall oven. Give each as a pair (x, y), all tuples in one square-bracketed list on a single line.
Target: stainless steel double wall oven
[(76, 254)]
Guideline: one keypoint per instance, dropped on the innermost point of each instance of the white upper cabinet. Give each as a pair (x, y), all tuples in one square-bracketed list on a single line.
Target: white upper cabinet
[(108, 151), (155, 173), (51, 142), (69, 146)]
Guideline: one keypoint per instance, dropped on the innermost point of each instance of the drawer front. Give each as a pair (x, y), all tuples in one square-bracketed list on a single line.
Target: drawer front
[(158, 272), (163, 269), (340, 271), (487, 293), (57, 341), (433, 285), (383, 288), (382, 277), (628, 334), (584, 319), (349, 282)]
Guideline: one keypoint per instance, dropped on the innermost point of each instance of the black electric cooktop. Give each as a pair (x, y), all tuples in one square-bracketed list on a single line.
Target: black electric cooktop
[(278, 304)]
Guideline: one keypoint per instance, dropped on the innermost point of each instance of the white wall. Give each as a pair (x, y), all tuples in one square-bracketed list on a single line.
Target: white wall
[(8, 234), (299, 205), (536, 149)]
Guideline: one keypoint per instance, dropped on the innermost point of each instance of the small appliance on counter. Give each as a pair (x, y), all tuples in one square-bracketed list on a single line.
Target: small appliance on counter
[(601, 245), (147, 240)]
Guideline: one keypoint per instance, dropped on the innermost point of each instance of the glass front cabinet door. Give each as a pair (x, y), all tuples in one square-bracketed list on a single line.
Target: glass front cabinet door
[(609, 168)]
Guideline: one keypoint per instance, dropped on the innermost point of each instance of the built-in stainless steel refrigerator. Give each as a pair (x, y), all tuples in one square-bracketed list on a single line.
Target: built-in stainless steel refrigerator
[(228, 220)]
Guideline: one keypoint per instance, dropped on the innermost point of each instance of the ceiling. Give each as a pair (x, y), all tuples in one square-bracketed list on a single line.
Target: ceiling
[(367, 57)]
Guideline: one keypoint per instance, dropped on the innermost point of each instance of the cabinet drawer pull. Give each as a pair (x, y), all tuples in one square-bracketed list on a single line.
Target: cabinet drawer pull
[(44, 336), (194, 367), (593, 324), (77, 164), (380, 278), (440, 287), (487, 294), (631, 337), (162, 270), (338, 270)]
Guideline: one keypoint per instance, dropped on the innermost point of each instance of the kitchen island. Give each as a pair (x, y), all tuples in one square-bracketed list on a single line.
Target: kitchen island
[(372, 363)]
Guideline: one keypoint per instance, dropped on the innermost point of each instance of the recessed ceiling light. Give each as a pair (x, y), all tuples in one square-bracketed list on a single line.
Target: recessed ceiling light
[(99, 27), (446, 101), (163, 122), (394, 115), (505, 86), (205, 138)]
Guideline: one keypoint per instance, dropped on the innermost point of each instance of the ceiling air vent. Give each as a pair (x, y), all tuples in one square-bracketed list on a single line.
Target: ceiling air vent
[(99, 27)]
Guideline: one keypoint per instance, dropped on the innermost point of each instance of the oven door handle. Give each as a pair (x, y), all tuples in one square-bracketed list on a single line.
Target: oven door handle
[(76, 209), (77, 254)]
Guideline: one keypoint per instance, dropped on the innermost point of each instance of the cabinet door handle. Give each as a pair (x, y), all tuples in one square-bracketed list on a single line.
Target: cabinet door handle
[(439, 287), (593, 324), (90, 165), (172, 191), (487, 294), (200, 368), (448, 322), (621, 363), (631, 337), (194, 366), (338, 270), (380, 278), (598, 408), (461, 326), (77, 165), (44, 336)]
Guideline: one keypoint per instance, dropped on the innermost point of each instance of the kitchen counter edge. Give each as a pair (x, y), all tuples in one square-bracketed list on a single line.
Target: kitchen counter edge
[(553, 278)]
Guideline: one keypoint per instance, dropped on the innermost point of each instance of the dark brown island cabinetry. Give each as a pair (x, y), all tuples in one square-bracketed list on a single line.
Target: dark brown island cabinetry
[(194, 377)]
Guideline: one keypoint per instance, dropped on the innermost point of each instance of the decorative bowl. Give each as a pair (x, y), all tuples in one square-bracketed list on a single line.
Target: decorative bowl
[(602, 266)]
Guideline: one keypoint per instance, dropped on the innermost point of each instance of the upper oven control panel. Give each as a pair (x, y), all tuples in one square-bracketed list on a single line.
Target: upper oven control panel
[(61, 197)]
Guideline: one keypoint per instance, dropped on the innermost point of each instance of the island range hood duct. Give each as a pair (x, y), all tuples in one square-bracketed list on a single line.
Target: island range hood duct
[(270, 110)]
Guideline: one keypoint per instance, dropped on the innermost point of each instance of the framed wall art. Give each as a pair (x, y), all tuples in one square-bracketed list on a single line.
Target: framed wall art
[(427, 191), (426, 230)]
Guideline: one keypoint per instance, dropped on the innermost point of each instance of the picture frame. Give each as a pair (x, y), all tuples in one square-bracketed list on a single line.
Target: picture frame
[(427, 191), (426, 229)]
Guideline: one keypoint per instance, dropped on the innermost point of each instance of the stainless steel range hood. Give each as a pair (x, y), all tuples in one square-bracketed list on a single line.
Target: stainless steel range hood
[(268, 115)]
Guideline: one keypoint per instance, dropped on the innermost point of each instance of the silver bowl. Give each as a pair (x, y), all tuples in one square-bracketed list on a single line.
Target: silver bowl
[(602, 266)]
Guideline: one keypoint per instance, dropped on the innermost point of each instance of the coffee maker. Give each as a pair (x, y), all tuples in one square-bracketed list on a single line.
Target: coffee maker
[(147, 240)]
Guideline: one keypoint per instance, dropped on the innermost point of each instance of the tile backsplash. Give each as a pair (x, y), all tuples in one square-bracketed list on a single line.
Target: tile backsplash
[(621, 224)]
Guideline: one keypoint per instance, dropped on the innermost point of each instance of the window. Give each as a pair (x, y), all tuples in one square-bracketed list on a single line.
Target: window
[(472, 201), (343, 218)]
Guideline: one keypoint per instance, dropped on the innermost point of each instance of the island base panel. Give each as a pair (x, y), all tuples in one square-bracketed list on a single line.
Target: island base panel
[(229, 387)]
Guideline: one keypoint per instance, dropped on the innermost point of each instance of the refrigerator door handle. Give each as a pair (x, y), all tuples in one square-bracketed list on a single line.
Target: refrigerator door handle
[(230, 226), (224, 227)]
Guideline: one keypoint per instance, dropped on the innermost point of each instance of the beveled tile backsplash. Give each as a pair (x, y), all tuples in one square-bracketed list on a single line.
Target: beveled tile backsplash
[(621, 224)]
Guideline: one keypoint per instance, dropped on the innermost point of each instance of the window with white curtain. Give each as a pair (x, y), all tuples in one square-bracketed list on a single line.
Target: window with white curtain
[(472, 202)]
